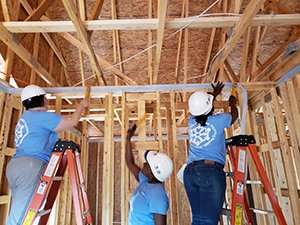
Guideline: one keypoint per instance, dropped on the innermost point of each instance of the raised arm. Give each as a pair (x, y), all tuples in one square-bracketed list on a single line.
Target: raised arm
[(133, 168), (233, 108), (71, 121), (217, 89)]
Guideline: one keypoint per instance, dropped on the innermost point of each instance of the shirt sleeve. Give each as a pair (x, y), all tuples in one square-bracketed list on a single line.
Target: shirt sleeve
[(51, 120), (225, 119), (158, 202), (142, 177)]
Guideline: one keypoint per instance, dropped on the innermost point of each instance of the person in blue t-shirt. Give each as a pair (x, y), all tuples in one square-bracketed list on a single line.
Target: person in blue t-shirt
[(149, 203), (35, 136), (204, 178)]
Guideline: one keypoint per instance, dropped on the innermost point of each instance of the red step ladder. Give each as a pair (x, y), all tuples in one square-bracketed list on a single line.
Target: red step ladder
[(240, 206), (64, 153)]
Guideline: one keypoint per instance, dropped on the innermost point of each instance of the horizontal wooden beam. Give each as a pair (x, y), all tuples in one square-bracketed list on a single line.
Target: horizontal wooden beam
[(152, 24), (13, 43)]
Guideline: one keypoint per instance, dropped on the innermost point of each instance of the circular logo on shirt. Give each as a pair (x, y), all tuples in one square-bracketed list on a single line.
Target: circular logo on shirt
[(21, 132), (201, 136)]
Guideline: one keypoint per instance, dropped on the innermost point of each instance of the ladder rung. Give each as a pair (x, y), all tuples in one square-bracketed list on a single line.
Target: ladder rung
[(253, 182), (229, 174), (262, 211), (226, 212), (43, 212), (57, 178)]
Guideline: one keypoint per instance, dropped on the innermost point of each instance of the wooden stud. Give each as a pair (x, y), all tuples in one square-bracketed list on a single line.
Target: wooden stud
[(82, 33), (162, 10), (108, 165), (287, 158), (251, 9)]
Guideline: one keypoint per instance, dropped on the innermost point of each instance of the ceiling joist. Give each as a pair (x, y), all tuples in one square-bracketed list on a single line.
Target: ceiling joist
[(162, 10), (14, 45), (83, 36), (239, 29), (152, 24)]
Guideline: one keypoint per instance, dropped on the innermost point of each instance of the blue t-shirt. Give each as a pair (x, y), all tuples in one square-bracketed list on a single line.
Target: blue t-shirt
[(34, 135), (147, 199), (208, 142)]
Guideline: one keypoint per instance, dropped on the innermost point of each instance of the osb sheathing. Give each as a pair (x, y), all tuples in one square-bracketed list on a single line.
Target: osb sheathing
[(133, 42)]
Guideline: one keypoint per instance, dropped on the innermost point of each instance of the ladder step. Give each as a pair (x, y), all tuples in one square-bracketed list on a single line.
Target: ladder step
[(226, 212), (253, 182), (43, 212), (229, 174), (57, 178), (262, 211)]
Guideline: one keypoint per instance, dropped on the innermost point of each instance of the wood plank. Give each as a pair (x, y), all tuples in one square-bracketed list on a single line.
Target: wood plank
[(29, 10), (251, 9), (96, 10), (150, 49), (6, 6), (170, 152), (243, 74), (145, 145), (146, 24), (82, 33), (36, 45), (9, 40), (39, 11), (108, 164), (288, 108), (124, 169), (162, 10), (287, 158), (159, 123)]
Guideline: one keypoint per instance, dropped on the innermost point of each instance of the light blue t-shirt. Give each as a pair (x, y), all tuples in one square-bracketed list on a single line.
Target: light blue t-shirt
[(34, 135), (208, 142), (147, 199)]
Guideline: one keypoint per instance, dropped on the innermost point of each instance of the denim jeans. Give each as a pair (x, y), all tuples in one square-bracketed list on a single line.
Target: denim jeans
[(23, 174), (205, 185)]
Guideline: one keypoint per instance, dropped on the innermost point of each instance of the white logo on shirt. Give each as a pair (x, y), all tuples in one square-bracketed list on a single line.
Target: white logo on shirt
[(202, 136), (21, 132)]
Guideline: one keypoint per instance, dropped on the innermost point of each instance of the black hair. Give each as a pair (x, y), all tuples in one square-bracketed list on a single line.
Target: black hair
[(201, 119), (34, 102)]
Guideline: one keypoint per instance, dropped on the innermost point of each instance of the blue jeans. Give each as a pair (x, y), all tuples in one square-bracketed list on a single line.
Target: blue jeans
[(23, 174), (205, 185)]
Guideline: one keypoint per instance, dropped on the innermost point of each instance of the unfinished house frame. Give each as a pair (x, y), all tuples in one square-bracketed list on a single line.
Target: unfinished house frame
[(143, 59)]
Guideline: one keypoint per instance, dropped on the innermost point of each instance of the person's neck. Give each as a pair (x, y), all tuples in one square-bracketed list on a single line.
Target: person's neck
[(153, 180)]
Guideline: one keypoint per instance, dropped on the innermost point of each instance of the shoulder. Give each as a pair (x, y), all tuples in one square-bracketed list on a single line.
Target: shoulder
[(222, 116)]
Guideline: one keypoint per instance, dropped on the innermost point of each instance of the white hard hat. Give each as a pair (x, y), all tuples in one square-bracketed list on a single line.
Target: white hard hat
[(200, 103), (31, 91), (161, 165)]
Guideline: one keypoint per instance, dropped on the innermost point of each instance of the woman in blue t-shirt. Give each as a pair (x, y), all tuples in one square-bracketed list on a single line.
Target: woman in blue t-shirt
[(35, 136), (204, 178), (149, 203)]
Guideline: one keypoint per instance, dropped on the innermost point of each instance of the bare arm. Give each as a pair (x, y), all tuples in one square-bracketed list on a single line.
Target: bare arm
[(71, 121), (133, 168), (160, 219), (234, 110)]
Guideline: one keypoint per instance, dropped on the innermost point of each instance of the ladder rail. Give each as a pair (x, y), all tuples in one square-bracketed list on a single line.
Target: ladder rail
[(243, 200), (53, 192), (65, 153), (42, 189), (243, 144), (83, 189), (74, 183), (267, 185)]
